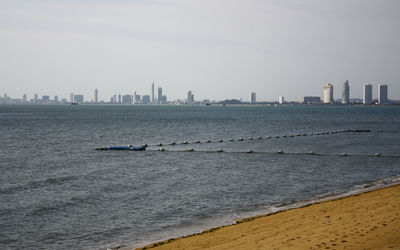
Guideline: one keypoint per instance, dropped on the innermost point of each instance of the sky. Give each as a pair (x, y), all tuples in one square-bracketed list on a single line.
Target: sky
[(219, 49)]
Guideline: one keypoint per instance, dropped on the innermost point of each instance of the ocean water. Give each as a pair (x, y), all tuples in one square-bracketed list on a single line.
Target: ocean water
[(58, 192)]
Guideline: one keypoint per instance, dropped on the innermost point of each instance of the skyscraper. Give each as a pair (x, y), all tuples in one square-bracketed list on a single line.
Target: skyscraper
[(159, 95), (367, 94), (71, 97), (346, 92), (382, 94), (152, 93), (328, 94), (190, 97), (253, 98), (96, 95)]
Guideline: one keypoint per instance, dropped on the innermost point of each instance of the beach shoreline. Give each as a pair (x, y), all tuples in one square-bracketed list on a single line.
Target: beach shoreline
[(388, 188)]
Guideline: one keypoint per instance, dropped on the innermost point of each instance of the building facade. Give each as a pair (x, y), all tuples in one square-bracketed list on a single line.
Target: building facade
[(382, 94), (367, 94), (159, 95), (253, 98), (346, 92), (328, 94)]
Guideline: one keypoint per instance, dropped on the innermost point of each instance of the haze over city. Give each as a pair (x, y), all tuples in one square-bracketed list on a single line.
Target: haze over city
[(218, 49)]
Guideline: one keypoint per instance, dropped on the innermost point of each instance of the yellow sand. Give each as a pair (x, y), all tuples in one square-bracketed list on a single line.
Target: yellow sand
[(367, 221)]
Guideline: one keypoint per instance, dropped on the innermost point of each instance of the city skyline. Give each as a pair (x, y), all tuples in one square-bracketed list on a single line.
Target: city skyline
[(328, 97), (273, 48)]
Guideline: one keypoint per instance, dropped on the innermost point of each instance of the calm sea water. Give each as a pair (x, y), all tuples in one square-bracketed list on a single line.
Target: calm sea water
[(57, 192)]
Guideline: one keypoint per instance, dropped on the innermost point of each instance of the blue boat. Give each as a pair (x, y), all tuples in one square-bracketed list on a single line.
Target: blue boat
[(130, 147)]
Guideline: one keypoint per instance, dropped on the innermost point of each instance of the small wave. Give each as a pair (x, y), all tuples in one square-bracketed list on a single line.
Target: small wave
[(59, 180)]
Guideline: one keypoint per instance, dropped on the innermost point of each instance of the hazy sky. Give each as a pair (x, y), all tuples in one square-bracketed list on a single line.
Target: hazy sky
[(219, 49)]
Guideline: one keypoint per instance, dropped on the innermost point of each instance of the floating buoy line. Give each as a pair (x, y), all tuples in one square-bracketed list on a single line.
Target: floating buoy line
[(240, 139)]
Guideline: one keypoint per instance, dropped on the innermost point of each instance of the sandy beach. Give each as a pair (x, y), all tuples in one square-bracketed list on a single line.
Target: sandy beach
[(366, 221)]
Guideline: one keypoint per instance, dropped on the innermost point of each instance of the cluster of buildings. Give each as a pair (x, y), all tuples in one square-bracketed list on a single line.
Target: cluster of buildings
[(367, 94), (327, 98)]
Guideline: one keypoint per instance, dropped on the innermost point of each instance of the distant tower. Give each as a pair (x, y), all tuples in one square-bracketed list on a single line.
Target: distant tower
[(56, 98), (382, 94), (367, 94), (190, 97), (96, 96), (328, 94), (346, 92), (36, 98), (71, 97), (119, 99), (24, 98), (253, 98), (152, 93), (159, 95), (281, 100)]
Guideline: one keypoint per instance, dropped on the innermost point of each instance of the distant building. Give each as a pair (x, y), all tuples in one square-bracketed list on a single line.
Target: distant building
[(164, 99), (71, 97), (281, 100), (45, 99), (127, 99), (146, 99), (367, 94), (382, 94), (136, 98), (35, 99), (346, 92), (159, 95), (24, 98), (152, 93), (190, 97), (96, 96), (78, 98), (119, 99), (328, 94), (55, 99), (311, 99), (253, 98)]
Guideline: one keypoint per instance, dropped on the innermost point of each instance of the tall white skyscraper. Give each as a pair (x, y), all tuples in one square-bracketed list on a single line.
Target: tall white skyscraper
[(382, 94), (281, 100), (328, 94), (159, 95), (71, 96), (367, 94), (96, 96), (253, 98), (346, 92), (152, 93)]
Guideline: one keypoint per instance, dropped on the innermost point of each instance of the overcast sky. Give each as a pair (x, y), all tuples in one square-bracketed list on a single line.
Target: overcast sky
[(219, 49)]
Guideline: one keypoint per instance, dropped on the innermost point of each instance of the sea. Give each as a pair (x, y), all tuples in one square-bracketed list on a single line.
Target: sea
[(58, 192)]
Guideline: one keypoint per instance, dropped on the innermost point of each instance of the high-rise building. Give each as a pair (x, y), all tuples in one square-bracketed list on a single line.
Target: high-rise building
[(152, 93), (253, 98), (346, 92), (24, 97), (159, 95), (45, 99), (190, 97), (78, 98), (146, 99), (382, 94), (281, 100), (311, 99), (328, 94), (55, 99), (36, 99), (71, 97), (127, 99), (96, 96), (367, 94)]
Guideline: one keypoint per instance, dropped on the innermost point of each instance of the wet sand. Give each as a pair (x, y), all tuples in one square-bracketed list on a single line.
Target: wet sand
[(366, 221)]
